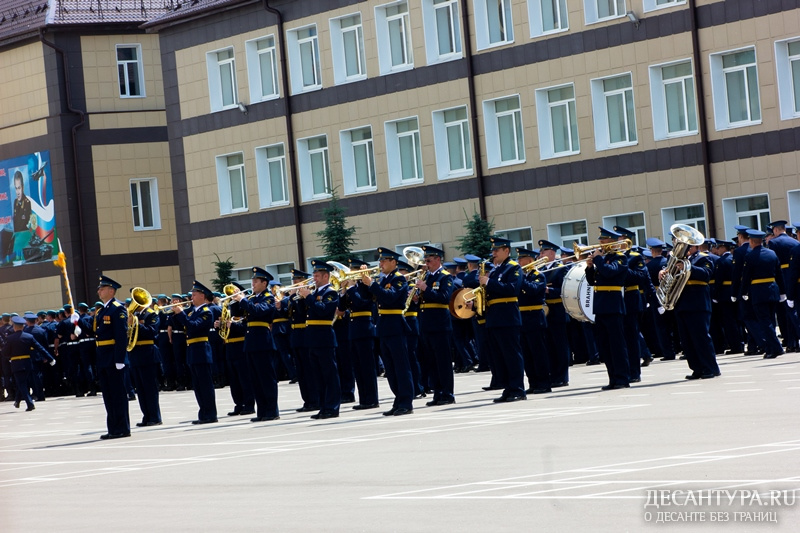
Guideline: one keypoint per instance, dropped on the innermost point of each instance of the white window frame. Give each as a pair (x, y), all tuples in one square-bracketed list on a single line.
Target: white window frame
[(139, 69), (789, 108), (669, 217), (293, 44), (384, 40), (658, 98), (224, 184), (254, 73), (274, 269), (720, 94), (304, 155), (393, 154), (491, 119), (215, 89), (504, 233), (155, 212), (432, 33), (653, 5), (544, 116), (398, 248), (793, 203), (348, 148), (441, 145), (591, 11), (731, 216), (339, 52), (536, 17), (556, 235), (612, 220), (265, 177), (600, 113), (483, 33), (243, 276)]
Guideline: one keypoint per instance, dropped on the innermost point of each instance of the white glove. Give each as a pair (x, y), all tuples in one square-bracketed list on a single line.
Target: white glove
[(745, 297), (783, 298), (733, 298), (648, 306), (661, 310), (716, 302), (790, 303), (52, 362), (119, 366)]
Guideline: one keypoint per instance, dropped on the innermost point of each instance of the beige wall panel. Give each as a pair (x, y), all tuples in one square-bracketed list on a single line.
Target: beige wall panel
[(23, 91), (32, 295), (115, 166), (101, 80), (155, 280), (246, 250), (23, 131), (146, 119)]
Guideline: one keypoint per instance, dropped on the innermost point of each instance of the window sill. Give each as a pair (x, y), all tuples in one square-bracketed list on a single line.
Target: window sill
[(665, 6), (737, 125), (494, 45), (615, 146), (606, 19), (459, 174), (266, 98), (274, 205), (549, 33), (506, 163), (127, 97), (558, 155), (309, 89), (352, 79), (677, 135), (445, 59), (154, 228), (406, 183), (398, 68)]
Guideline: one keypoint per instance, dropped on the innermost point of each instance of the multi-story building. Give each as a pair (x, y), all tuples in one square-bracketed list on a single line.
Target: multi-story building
[(82, 102)]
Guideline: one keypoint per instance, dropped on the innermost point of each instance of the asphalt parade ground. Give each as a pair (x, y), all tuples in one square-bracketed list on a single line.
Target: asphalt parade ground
[(706, 454)]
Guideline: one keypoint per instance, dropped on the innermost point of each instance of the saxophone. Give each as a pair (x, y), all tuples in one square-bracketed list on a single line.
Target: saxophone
[(675, 277)]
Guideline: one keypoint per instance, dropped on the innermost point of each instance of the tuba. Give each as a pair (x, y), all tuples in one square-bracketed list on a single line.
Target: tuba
[(675, 278), (140, 299), (414, 256)]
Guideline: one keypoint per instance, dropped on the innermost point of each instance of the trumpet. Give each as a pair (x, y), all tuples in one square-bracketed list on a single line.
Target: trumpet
[(279, 292), (183, 303), (535, 265), (616, 246)]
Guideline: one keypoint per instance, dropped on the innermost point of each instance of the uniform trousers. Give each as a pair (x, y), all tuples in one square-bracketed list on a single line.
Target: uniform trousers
[(558, 349), (146, 378), (419, 372), (241, 384), (265, 384), (307, 378), (536, 358), (203, 384), (394, 352), (696, 340), (763, 326), (115, 398), (508, 364), (346, 374), (21, 377), (630, 324), (436, 347), (788, 324), (364, 367), (323, 359), (609, 335), (182, 375), (282, 345), (732, 326)]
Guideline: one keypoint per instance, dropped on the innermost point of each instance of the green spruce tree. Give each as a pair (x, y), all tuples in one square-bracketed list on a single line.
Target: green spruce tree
[(224, 271), (337, 238), (476, 239)]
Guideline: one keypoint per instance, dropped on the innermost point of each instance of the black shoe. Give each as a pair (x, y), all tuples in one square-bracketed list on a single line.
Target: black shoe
[(501, 399), (108, 436), (420, 395), (348, 399), (492, 388), (445, 402), (515, 398), (615, 387), (31, 407), (361, 406), (708, 376), (560, 384), (91, 393), (751, 352), (432, 403), (292, 381), (149, 424), (646, 361), (234, 413), (80, 395), (16, 404), (209, 421), (322, 415), (141, 424), (670, 358), (40, 399), (682, 358), (400, 411), (390, 412), (635, 380), (265, 418), (131, 397), (305, 409), (772, 355), (734, 351), (538, 391), (247, 412), (692, 376), (592, 362), (180, 388)]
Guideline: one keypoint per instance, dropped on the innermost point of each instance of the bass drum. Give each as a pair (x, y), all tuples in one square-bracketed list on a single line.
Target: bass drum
[(577, 294)]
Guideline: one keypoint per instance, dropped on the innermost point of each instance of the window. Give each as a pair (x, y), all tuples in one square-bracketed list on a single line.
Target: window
[(144, 203), (633, 222), (600, 10), (519, 237), (271, 172), (368, 256), (358, 160), (672, 95), (222, 79), (130, 70), (493, 23), (262, 69), (394, 37), (503, 122), (242, 276), (568, 233), (691, 215), (398, 248), (403, 152), (441, 21), (652, 5), (347, 49), (231, 183), (750, 211), (303, 49), (282, 272), (734, 84), (793, 199), (558, 121), (547, 16), (314, 167), (614, 115), (787, 69), (452, 143)]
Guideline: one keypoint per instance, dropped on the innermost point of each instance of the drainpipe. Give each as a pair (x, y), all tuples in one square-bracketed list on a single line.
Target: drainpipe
[(701, 122), (81, 122), (476, 157), (301, 256)]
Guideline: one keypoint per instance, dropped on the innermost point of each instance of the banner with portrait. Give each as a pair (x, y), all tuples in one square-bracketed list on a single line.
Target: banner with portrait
[(27, 212)]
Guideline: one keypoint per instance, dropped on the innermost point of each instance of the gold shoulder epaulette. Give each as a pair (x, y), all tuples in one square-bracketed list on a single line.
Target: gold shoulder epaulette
[(116, 303), (513, 263)]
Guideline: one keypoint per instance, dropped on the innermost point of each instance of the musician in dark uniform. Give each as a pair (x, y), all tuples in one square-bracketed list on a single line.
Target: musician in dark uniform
[(607, 274), (20, 349), (257, 311), (145, 365), (534, 325), (763, 288), (281, 333), (197, 321), (657, 324), (558, 345), (163, 344), (503, 320), (358, 300), (746, 315), (722, 292), (67, 350), (40, 336), (177, 340), (784, 246), (111, 337), (391, 293), (485, 358), (238, 371), (320, 305), (436, 330), (634, 305), (305, 372), (413, 339)]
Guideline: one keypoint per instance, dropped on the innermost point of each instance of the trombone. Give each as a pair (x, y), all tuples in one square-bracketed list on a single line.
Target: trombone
[(616, 246)]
